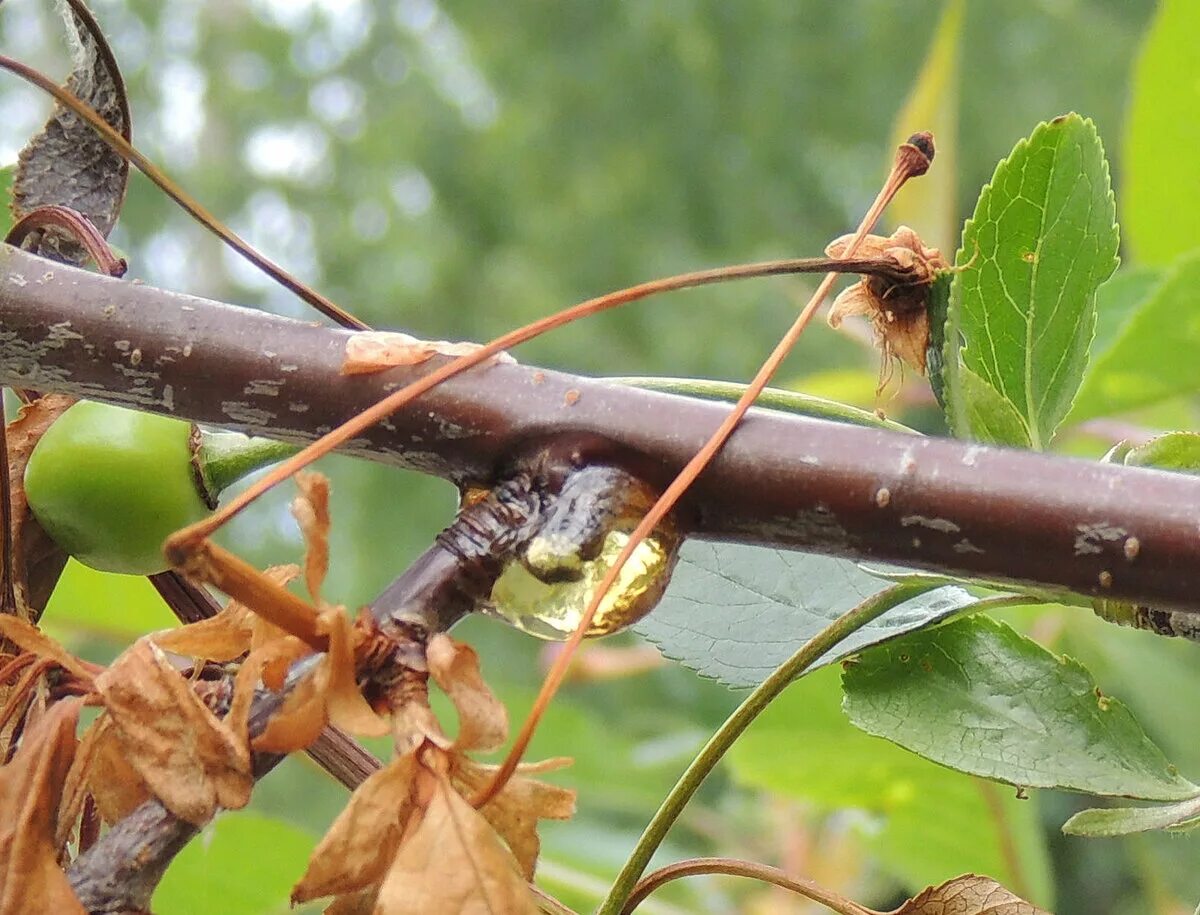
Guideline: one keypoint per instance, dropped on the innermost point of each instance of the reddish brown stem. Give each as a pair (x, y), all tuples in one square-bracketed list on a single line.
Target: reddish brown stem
[(734, 867), (76, 225), (912, 159)]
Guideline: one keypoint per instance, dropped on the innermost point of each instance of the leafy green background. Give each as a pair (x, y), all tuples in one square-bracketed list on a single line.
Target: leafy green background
[(456, 168)]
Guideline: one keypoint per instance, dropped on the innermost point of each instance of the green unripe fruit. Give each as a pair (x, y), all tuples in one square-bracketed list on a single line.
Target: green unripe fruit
[(109, 484)]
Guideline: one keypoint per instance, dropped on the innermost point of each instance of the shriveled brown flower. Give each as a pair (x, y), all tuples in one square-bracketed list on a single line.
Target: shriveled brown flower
[(898, 311)]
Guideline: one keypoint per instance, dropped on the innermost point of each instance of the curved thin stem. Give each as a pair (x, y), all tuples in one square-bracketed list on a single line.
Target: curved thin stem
[(912, 159), (181, 197), (735, 867), (725, 736)]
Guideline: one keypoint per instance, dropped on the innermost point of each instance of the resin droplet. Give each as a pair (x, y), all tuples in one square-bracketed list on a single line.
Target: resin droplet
[(552, 610), (546, 589)]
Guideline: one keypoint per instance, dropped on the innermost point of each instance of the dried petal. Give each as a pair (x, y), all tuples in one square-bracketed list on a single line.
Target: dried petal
[(347, 707), (375, 351), (113, 783), (311, 510), (187, 756), (898, 312), (298, 722), (515, 811), (361, 843), (220, 638), (30, 638), (454, 862), (482, 718), (31, 787)]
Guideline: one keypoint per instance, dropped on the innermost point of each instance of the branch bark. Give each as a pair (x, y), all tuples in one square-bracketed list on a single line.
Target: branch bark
[(783, 481)]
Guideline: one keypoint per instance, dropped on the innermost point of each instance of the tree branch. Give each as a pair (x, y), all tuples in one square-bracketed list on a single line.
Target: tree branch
[(783, 480)]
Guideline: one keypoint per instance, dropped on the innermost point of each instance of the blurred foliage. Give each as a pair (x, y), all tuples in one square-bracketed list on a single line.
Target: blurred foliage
[(457, 168)]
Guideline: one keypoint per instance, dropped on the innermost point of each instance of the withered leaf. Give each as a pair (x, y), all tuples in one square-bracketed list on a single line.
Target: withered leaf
[(67, 163), (374, 351), (311, 511), (188, 757), (969, 894), (515, 811), (482, 718), (362, 841), (454, 862), (31, 788), (37, 561)]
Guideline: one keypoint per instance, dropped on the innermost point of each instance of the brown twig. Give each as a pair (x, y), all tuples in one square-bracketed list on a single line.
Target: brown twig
[(784, 480)]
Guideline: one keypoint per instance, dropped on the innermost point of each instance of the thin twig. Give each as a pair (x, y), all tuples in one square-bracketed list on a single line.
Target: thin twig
[(734, 867)]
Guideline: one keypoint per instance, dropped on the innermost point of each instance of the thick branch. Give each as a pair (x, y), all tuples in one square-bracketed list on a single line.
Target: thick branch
[(783, 480)]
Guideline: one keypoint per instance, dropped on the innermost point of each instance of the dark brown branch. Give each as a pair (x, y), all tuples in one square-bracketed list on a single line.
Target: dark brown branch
[(783, 480)]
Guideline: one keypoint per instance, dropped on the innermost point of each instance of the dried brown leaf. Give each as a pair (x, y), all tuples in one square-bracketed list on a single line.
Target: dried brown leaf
[(37, 561), (515, 811), (969, 894), (311, 511), (482, 718), (361, 843), (375, 351), (67, 163), (188, 757), (31, 787), (454, 862)]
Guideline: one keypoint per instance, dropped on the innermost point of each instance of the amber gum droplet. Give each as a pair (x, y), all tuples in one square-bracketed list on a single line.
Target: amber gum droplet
[(553, 610)]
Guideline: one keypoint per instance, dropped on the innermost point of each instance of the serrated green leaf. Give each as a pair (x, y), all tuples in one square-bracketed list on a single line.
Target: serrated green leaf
[(979, 697), (1179, 451), (930, 205), (769, 399), (1154, 355), (247, 861), (1160, 200), (1121, 821), (927, 823), (735, 612), (1022, 306)]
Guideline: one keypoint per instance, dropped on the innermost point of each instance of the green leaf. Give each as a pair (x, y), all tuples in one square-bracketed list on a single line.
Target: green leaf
[(1154, 355), (1160, 200), (1121, 821), (927, 823), (770, 399), (736, 612), (247, 861), (1179, 451), (1022, 306), (977, 696), (930, 206)]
